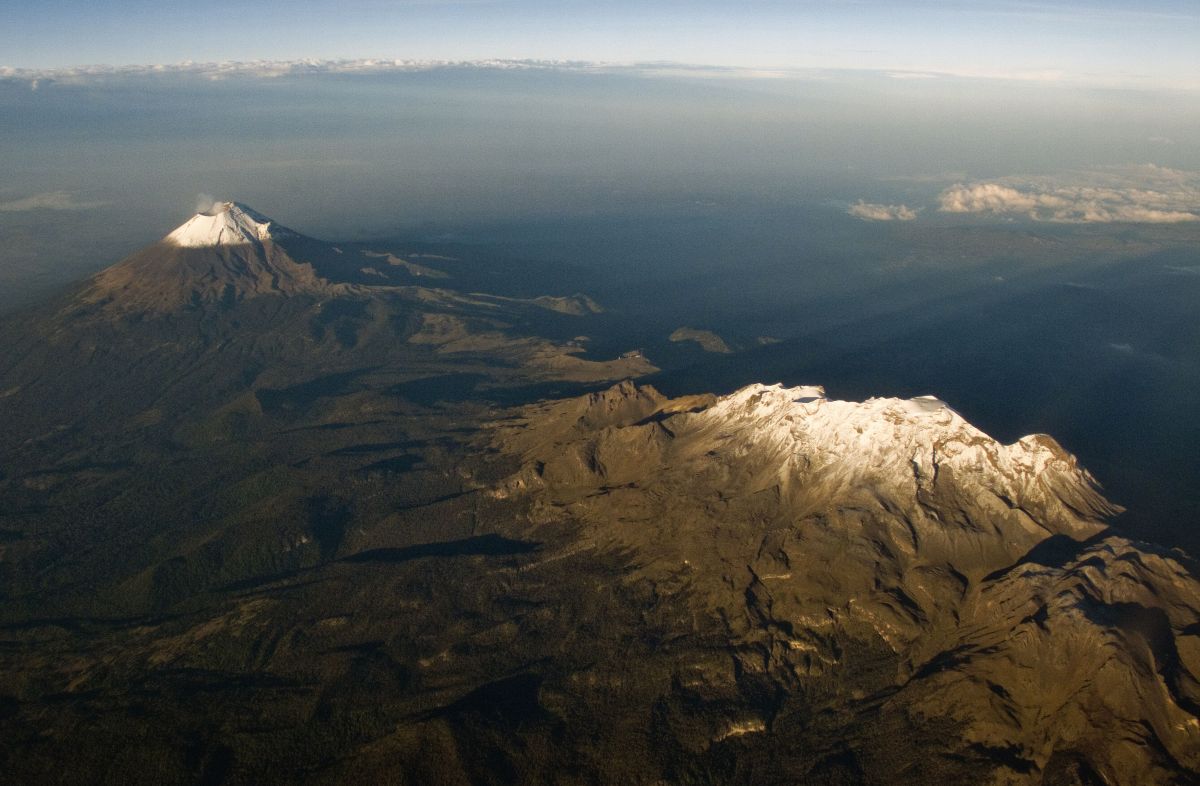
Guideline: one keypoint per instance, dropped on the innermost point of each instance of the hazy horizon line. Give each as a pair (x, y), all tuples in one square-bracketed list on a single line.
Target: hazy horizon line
[(216, 70)]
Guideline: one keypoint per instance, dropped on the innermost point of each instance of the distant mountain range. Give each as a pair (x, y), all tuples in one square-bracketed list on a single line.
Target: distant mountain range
[(274, 509)]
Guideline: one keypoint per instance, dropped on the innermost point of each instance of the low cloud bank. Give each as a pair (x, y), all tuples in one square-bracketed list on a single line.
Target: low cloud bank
[(51, 200), (37, 77), (868, 211), (1144, 194)]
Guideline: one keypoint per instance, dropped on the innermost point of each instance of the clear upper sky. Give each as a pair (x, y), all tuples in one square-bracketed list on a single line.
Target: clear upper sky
[(1148, 42)]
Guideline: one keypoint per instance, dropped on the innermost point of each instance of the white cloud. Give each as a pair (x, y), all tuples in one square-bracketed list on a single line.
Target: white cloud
[(868, 211), (911, 75), (1142, 194), (265, 69), (36, 78), (51, 200)]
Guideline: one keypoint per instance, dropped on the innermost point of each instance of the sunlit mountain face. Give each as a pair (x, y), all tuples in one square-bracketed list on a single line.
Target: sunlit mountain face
[(805, 394)]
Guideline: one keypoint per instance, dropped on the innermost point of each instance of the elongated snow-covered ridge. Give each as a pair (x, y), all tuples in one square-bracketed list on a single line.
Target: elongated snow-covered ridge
[(817, 452), (226, 224), (894, 442), (878, 432)]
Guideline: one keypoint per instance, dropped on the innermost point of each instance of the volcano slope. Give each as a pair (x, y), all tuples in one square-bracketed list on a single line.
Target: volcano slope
[(767, 587), (175, 415)]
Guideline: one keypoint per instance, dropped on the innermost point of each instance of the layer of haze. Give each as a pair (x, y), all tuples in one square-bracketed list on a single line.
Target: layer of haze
[(96, 167)]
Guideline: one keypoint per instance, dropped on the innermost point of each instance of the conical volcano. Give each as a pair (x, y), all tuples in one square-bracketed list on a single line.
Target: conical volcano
[(225, 254)]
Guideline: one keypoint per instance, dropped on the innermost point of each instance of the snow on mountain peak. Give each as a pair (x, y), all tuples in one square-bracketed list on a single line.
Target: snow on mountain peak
[(801, 445), (226, 224), (861, 436), (889, 447)]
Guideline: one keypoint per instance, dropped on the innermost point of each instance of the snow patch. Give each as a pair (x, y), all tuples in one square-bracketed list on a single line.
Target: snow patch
[(892, 441), (226, 224)]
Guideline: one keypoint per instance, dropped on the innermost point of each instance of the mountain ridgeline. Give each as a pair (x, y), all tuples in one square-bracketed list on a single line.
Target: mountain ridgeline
[(276, 510)]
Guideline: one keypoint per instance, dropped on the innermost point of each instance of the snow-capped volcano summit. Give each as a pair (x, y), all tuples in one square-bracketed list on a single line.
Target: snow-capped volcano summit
[(226, 224), (225, 253)]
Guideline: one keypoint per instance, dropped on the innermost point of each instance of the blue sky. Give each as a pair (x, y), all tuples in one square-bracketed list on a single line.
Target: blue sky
[(1152, 43)]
